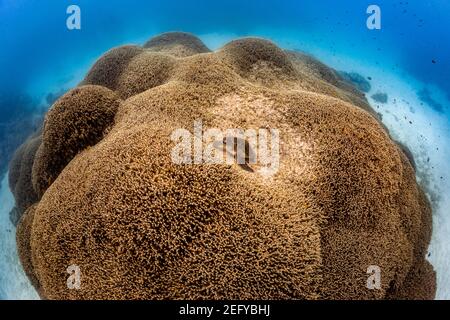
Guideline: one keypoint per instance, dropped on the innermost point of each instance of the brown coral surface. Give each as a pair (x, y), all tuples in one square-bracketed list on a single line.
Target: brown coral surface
[(109, 199)]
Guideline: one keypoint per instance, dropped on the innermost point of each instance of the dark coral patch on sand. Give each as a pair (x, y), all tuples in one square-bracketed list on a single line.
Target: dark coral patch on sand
[(357, 80), (426, 97), (111, 201), (380, 97)]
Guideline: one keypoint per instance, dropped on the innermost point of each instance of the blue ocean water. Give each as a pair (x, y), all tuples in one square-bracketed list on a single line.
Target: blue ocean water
[(409, 57), (36, 43)]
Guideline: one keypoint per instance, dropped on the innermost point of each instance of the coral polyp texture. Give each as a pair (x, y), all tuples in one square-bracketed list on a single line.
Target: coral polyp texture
[(98, 188)]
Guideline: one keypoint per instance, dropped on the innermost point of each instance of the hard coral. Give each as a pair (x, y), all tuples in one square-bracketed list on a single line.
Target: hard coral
[(139, 226)]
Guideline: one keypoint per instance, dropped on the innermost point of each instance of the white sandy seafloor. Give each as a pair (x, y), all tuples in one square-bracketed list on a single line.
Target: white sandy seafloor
[(427, 136), (426, 133), (13, 282)]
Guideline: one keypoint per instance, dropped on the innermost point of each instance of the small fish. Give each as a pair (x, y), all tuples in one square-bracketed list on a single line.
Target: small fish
[(242, 160)]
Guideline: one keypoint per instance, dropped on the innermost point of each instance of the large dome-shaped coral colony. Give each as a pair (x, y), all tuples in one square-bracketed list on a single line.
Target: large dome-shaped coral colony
[(98, 188)]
